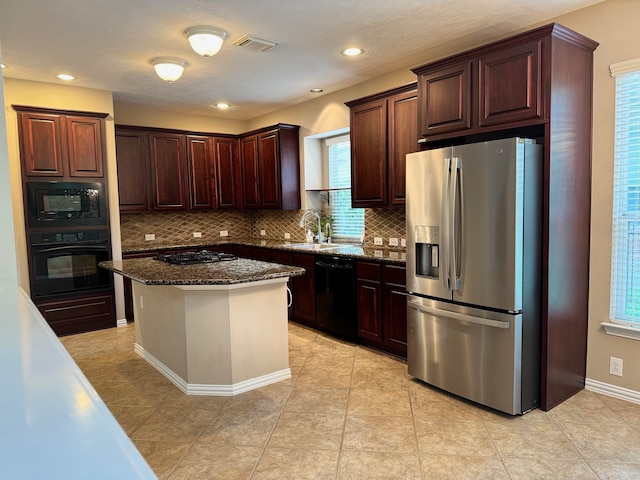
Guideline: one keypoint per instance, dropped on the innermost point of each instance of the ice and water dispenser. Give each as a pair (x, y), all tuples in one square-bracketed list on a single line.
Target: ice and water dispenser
[(428, 251)]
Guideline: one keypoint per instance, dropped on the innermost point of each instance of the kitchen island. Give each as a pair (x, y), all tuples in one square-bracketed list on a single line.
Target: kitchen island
[(214, 328)]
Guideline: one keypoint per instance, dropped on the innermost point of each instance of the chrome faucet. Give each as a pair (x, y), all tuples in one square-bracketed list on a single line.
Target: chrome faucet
[(317, 215)]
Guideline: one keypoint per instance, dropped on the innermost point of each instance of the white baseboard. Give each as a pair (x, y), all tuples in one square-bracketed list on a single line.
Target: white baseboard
[(121, 322), (612, 390), (208, 389)]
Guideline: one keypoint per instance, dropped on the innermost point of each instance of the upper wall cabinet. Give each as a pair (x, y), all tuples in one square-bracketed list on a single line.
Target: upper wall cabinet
[(270, 168), (162, 170), (60, 144), (383, 130), (132, 154), (495, 87)]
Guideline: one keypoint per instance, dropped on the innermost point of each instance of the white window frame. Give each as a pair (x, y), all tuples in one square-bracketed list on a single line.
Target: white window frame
[(620, 323)]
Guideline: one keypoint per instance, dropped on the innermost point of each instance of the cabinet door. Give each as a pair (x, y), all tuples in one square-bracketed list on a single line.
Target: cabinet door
[(168, 169), (263, 254), (394, 321), (269, 165), (369, 297), (84, 144), (304, 290), (403, 139), (42, 145), (200, 171), (284, 258), (369, 154), (445, 100), (249, 172), (132, 158), (510, 84), (227, 173)]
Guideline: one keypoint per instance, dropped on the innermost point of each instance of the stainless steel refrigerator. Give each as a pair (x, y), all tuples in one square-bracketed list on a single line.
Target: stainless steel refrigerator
[(473, 271)]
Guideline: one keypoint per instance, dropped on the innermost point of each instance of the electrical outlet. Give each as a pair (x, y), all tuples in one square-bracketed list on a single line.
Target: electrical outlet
[(378, 253), (393, 242), (224, 233), (150, 236), (197, 234), (615, 366), (263, 233), (287, 236), (403, 242), (377, 240)]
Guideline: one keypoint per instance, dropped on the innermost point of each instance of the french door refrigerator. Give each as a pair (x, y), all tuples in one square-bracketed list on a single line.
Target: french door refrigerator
[(473, 271)]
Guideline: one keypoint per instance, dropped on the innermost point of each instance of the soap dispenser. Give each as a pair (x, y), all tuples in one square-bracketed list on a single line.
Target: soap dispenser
[(309, 236)]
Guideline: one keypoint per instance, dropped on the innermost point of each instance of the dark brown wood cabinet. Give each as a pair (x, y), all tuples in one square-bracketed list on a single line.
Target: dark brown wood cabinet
[(304, 290), (382, 306), (168, 171), (132, 155), (60, 144), (270, 168), (78, 314), (200, 170), (227, 173), (538, 84), (284, 258), (383, 130), (369, 301)]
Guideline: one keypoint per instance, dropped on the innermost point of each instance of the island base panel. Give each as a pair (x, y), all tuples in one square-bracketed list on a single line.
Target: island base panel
[(218, 341)]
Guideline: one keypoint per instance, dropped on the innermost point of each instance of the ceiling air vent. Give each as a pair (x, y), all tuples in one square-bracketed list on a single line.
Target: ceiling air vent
[(255, 44)]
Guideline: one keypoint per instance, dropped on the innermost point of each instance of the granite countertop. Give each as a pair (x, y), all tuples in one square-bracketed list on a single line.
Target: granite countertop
[(241, 270), (346, 250)]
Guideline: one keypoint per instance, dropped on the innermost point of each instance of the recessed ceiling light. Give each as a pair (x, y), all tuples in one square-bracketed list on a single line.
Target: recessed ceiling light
[(222, 105), (316, 90), (352, 51), (65, 76)]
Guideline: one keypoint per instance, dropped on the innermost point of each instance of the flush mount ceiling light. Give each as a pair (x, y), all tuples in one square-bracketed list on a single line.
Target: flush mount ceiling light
[(169, 68), (2, 65), (316, 90), (352, 52), (205, 40), (65, 76), (222, 105)]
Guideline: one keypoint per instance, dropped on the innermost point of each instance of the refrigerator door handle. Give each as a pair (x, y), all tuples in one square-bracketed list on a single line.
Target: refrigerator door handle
[(455, 206), (457, 316), (444, 225)]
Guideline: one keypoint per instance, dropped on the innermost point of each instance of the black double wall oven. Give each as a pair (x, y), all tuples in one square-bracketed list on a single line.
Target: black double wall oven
[(68, 237)]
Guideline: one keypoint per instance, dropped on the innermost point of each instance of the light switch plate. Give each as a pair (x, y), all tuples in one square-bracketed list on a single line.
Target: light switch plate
[(287, 236), (393, 242), (403, 242), (263, 232)]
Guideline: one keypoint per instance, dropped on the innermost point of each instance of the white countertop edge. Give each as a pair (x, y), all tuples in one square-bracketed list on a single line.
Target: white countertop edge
[(53, 423)]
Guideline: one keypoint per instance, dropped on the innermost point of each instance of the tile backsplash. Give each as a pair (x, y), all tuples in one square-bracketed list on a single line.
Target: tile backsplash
[(178, 227)]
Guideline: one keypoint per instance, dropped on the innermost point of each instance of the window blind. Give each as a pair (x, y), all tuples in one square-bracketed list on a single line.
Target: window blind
[(625, 268), (347, 222)]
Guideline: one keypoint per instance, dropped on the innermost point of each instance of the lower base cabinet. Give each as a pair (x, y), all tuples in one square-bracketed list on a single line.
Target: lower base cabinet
[(304, 290), (382, 308), (79, 313)]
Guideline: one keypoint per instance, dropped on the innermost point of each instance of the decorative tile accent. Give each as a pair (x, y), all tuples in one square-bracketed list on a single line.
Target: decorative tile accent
[(384, 222), (178, 227)]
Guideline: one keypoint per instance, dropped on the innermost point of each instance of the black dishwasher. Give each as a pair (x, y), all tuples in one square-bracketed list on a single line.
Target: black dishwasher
[(336, 296)]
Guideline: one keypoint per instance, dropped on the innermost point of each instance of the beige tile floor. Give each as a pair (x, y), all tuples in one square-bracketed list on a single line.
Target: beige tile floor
[(350, 413)]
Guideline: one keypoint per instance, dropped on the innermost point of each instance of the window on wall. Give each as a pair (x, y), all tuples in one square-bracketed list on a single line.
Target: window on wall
[(625, 276), (347, 222)]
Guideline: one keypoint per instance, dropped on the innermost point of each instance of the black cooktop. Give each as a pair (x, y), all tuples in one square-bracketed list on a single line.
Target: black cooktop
[(191, 258)]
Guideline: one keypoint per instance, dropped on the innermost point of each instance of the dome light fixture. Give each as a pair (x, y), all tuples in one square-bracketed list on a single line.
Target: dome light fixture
[(222, 105), (205, 40), (65, 77), (352, 52), (169, 69)]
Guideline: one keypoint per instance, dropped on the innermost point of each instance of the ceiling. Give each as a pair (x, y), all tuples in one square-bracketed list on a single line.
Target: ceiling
[(107, 45)]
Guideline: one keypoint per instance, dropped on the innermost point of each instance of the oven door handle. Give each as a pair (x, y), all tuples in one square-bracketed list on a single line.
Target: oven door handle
[(65, 248)]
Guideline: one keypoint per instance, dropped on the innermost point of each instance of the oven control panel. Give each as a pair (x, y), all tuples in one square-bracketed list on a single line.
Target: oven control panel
[(79, 236)]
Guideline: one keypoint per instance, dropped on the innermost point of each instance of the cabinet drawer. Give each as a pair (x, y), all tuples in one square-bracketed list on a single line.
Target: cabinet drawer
[(283, 258), (368, 271), (395, 274)]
